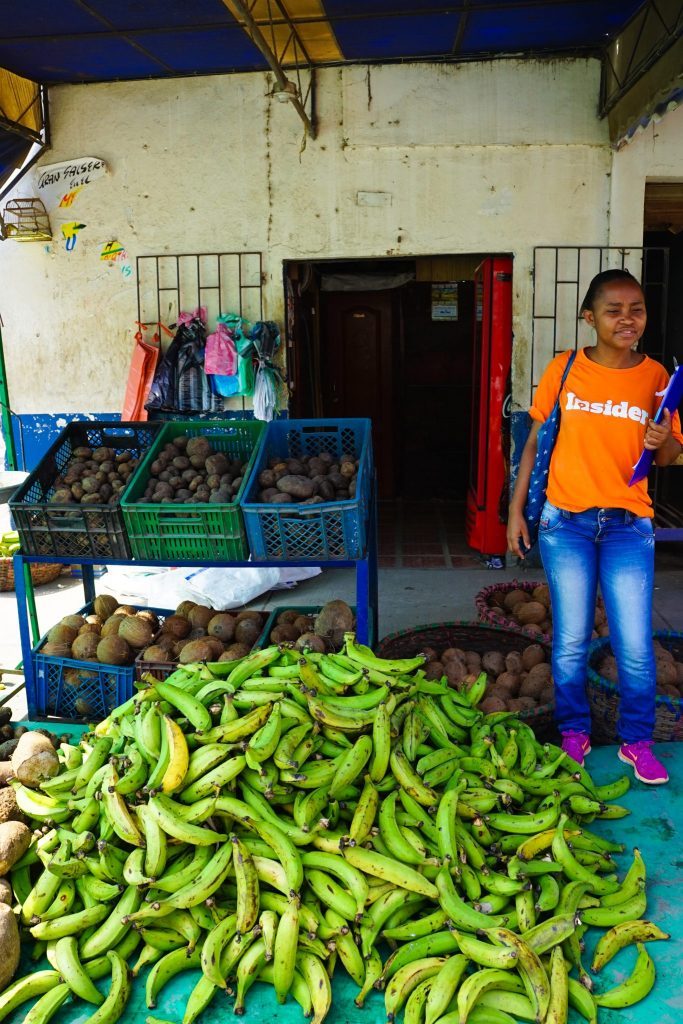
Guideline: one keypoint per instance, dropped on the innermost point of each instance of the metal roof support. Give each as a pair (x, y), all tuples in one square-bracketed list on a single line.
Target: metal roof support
[(642, 65), (286, 88)]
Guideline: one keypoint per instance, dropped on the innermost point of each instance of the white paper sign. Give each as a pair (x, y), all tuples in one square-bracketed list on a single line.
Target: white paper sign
[(59, 184)]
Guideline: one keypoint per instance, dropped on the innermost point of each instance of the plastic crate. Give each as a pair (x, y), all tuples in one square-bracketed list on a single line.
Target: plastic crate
[(90, 531), (101, 687), (203, 531), (163, 669), (326, 532), (303, 609)]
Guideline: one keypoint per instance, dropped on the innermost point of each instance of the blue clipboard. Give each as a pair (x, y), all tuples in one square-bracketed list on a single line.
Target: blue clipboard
[(670, 400)]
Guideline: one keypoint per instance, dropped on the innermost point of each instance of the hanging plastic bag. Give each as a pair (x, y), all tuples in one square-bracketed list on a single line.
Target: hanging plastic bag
[(181, 385), (141, 374), (220, 354), (266, 340), (241, 381)]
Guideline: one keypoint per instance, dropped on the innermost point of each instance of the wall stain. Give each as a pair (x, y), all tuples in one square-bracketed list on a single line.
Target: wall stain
[(269, 158)]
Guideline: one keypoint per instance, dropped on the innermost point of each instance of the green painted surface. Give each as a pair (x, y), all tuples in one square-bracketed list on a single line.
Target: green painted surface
[(655, 826)]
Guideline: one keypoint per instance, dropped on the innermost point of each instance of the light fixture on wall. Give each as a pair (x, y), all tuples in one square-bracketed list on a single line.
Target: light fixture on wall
[(285, 91)]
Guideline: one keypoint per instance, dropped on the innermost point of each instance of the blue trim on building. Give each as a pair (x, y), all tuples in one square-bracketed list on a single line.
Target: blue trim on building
[(35, 432)]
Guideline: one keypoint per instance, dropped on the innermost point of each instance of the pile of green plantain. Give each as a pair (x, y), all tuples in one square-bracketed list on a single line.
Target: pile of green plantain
[(271, 819)]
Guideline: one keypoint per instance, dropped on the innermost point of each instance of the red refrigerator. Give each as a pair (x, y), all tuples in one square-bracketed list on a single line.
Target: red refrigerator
[(487, 494)]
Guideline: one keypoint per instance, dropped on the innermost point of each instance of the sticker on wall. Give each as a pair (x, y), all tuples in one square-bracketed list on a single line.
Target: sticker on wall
[(68, 198), (445, 300), (114, 253), (70, 231), (59, 184)]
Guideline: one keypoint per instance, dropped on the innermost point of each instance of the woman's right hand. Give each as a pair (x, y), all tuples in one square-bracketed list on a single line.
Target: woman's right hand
[(517, 534)]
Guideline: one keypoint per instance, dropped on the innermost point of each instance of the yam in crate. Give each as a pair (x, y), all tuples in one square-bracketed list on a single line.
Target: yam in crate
[(304, 609), (163, 666), (478, 637), (603, 693), (323, 532), (71, 529), (204, 531), (74, 690)]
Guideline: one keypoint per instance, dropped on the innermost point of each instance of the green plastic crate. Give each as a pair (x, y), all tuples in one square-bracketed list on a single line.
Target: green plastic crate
[(203, 532)]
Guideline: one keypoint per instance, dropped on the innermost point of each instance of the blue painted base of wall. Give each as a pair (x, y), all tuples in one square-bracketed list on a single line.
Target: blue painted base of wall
[(35, 432)]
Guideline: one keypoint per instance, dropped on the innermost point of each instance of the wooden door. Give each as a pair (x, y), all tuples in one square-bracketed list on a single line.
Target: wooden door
[(358, 354)]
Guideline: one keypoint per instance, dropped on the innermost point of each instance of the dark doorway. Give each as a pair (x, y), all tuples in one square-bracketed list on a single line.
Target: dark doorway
[(393, 340), (358, 364)]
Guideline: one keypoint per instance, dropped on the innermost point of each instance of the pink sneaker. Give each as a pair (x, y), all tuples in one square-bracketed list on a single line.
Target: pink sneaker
[(646, 767), (576, 745)]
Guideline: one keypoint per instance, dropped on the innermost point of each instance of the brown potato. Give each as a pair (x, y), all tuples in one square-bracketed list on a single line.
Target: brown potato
[(528, 612), (493, 663), (492, 703), (509, 681), (541, 593), (434, 670), (515, 597), (513, 662), (532, 655), (15, 838), (9, 943)]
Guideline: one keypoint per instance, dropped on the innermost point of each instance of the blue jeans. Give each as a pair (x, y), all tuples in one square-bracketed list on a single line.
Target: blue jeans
[(615, 548)]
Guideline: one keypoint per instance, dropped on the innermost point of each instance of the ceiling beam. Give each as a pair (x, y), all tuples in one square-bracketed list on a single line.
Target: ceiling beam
[(285, 87)]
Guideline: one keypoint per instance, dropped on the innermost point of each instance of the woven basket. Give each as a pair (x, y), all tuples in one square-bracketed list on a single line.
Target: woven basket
[(41, 572), (472, 636), (499, 616), (603, 696)]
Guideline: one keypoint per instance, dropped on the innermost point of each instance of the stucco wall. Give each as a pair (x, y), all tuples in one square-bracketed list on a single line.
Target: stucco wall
[(490, 157)]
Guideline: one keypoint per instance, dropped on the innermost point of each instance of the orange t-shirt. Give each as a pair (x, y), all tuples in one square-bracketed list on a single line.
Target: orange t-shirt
[(602, 428)]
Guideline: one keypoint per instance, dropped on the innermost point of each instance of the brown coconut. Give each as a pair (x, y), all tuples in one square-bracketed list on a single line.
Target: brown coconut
[(177, 625), (222, 626), (105, 605), (75, 621), (61, 634), (136, 632), (196, 650), (184, 608), (84, 647), (112, 625), (200, 616), (113, 650)]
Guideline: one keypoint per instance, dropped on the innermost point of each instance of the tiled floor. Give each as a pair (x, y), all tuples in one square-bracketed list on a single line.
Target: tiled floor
[(424, 535)]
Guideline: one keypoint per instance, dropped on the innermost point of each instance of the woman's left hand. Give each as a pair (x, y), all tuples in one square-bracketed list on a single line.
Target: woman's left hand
[(657, 434)]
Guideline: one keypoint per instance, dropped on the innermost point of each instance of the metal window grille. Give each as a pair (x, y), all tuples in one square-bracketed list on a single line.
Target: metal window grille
[(224, 282), (562, 274)]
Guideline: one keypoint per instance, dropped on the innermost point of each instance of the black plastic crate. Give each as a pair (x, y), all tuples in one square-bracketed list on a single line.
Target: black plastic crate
[(73, 530)]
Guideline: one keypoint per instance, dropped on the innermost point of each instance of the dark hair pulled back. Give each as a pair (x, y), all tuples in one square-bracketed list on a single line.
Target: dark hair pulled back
[(598, 283)]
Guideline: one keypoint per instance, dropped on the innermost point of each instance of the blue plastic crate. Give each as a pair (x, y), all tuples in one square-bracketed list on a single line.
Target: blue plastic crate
[(329, 531), (91, 691)]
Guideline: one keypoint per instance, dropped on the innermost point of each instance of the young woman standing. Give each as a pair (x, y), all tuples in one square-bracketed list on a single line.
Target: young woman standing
[(594, 528)]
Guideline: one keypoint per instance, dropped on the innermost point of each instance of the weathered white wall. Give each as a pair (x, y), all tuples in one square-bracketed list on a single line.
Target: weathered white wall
[(492, 157), (654, 154)]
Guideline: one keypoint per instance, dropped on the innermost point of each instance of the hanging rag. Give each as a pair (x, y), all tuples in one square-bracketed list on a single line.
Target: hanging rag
[(141, 374), (265, 337)]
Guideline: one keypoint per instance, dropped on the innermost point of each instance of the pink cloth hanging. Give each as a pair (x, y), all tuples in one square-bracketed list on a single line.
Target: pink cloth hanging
[(220, 354)]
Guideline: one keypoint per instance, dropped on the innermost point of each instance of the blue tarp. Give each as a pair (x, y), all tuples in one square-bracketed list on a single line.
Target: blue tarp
[(65, 41)]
